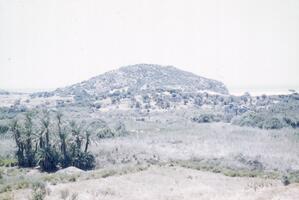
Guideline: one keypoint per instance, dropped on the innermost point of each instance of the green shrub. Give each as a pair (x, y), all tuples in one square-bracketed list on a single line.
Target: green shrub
[(6, 188), (8, 162), (23, 184), (39, 191), (3, 128), (249, 119), (262, 120), (47, 159), (207, 118), (273, 123), (292, 121), (72, 179), (85, 161), (285, 180), (105, 133)]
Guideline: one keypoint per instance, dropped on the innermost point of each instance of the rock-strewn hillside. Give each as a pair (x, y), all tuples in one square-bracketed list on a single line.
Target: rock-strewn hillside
[(145, 77)]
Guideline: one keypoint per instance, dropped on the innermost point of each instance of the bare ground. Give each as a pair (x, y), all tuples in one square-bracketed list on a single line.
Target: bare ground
[(171, 183)]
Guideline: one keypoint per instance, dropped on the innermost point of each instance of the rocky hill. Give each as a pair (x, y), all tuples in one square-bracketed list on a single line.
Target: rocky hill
[(144, 77)]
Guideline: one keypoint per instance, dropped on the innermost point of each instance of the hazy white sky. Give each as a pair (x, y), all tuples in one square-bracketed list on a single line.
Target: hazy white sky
[(244, 43)]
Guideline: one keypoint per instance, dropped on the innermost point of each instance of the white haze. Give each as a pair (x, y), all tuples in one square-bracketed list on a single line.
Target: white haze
[(247, 44)]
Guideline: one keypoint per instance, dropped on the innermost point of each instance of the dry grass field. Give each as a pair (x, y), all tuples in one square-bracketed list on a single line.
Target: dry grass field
[(158, 160)]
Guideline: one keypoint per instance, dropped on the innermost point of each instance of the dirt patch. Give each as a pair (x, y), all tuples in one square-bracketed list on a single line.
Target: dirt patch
[(162, 183), (70, 171)]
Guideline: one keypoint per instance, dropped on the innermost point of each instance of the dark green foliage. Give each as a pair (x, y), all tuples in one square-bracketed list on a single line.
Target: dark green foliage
[(271, 112), (47, 158), (24, 137), (3, 128), (65, 159), (273, 123), (28, 141), (42, 143), (79, 158), (249, 119), (105, 133), (207, 118), (266, 120), (84, 160), (292, 121), (285, 180), (20, 145), (87, 142)]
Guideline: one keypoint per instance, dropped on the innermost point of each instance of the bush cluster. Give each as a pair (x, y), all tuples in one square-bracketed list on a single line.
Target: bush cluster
[(3, 128), (265, 120), (106, 132), (49, 144), (207, 118)]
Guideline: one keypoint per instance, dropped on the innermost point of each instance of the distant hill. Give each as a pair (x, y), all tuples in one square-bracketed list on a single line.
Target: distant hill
[(3, 92), (145, 88), (144, 77)]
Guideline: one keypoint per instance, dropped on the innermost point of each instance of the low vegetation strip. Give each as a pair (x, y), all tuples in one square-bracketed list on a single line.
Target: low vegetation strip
[(291, 177)]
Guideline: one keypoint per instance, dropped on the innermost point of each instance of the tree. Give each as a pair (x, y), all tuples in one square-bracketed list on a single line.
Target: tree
[(29, 153), (45, 121), (20, 146), (47, 158), (87, 141), (65, 160), (47, 155), (76, 141)]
